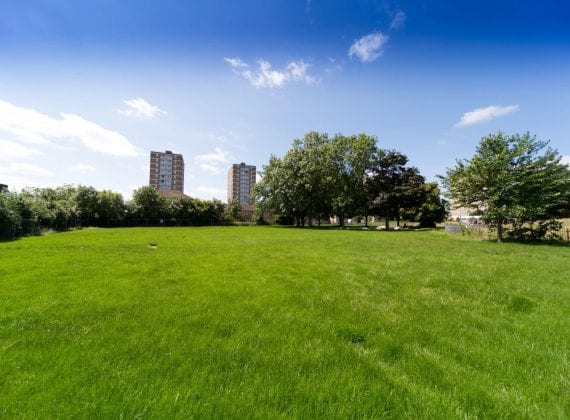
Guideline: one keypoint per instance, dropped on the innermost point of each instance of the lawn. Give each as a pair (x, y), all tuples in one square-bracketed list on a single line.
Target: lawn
[(265, 322)]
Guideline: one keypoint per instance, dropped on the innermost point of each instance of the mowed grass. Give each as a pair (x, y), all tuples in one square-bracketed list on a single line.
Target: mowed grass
[(261, 322)]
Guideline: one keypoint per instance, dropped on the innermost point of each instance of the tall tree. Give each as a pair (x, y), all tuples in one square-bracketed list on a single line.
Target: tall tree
[(10, 218), (394, 187), (299, 184), (511, 177), (110, 208), (86, 204), (433, 208), (148, 205), (353, 157)]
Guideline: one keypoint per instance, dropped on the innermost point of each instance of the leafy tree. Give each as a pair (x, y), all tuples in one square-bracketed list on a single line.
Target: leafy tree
[(110, 208), (86, 205), (433, 208), (353, 157), (233, 210), (317, 177), (10, 219), (207, 211), (511, 177), (148, 205), (180, 210), (393, 187)]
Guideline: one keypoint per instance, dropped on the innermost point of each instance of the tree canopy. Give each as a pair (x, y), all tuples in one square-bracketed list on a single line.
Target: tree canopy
[(511, 177), (344, 176)]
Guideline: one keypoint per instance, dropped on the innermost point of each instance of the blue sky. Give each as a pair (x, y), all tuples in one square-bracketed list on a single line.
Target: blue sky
[(88, 89)]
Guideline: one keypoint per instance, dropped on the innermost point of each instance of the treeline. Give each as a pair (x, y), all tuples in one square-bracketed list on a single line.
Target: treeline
[(35, 209), (346, 176)]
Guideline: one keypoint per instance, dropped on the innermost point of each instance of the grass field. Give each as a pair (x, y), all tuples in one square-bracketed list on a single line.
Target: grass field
[(261, 322)]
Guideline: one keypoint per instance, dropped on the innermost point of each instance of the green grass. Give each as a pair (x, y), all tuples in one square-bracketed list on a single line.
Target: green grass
[(248, 322)]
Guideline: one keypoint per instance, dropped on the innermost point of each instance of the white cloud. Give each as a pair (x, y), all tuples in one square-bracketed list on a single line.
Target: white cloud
[(565, 160), (235, 62), (369, 47), (398, 20), (334, 66), (481, 115), (210, 192), (82, 168), (25, 169), (212, 162), (97, 138), (30, 126), (138, 107), (11, 150), (267, 77)]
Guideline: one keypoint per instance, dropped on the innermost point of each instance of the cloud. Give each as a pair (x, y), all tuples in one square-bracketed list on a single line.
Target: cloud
[(82, 168), (369, 47), (398, 20), (140, 108), (481, 115), (565, 160), (11, 150), (267, 77), (211, 162), (26, 169), (334, 66), (27, 125), (236, 62), (211, 192)]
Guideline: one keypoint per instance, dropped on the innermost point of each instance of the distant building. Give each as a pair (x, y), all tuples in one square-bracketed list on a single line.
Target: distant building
[(167, 173), (241, 180), (3, 188)]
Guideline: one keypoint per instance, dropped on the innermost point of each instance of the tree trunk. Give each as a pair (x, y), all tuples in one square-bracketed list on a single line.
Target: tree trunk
[(366, 218), (499, 230), (387, 223)]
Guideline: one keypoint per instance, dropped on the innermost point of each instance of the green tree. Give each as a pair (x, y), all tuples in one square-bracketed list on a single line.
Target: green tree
[(317, 177), (110, 208), (433, 208), (86, 205), (394, 188), (353, 157), (233, 210), (10, 219), (511, 177), (148, 206)]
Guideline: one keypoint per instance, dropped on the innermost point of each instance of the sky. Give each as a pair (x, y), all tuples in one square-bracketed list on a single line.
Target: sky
[(89, 88)]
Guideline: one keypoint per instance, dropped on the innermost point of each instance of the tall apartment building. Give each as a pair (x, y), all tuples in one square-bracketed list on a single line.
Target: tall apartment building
[(167, 172), (241, 180)]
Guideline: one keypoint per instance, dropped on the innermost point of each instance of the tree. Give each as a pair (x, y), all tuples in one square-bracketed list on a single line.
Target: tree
[(295, 186), (180, 209), (433, 208), (233, 210), (110, 208), (393, 187), (511, 177), (353, 157), (86, 204), (317, 177), (148, 205), (10, 219)]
